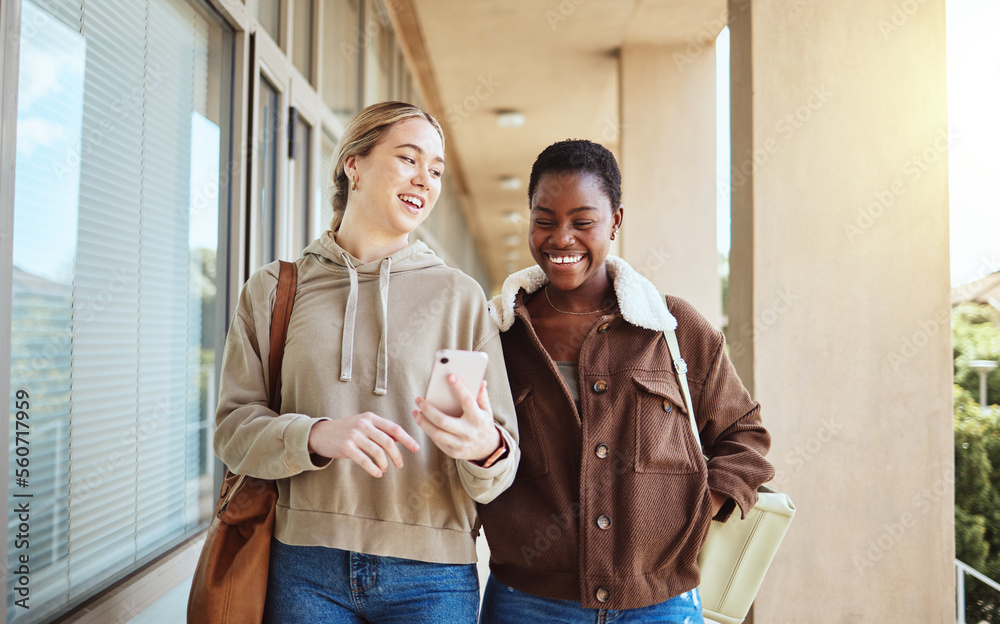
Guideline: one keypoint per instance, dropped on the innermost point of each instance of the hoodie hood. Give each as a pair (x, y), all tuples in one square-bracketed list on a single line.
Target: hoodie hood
[(414, 256), (640, 302)]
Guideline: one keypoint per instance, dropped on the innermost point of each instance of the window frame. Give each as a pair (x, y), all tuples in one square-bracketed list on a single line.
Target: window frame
[(316, 32), (306, 100), (10, 26), (272, 64), (136, 586)]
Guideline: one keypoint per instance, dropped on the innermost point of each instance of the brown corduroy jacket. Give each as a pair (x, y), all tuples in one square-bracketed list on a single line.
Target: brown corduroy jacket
[(611, 504)]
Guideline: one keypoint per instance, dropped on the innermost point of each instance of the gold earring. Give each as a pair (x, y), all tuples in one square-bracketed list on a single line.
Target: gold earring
[(613, 232), (354, 184)]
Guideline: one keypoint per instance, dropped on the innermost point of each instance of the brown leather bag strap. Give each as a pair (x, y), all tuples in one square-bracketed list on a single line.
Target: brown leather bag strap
[(284, 297)]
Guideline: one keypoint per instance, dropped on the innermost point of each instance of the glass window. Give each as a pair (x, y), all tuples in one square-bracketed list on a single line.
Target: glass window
[(303, 37), (407, 86), (269, 131), (303, 178), (343, 46), (268, 14), (399, 80), (115, 248), (378, 74)]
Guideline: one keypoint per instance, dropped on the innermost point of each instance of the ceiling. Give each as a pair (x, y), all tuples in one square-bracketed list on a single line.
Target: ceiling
[(555, 62)]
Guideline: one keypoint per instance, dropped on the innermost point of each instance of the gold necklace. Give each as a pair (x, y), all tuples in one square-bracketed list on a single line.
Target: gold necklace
[(549, 299)]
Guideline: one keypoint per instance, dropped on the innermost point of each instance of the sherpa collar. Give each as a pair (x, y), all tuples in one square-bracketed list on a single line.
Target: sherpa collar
[(640, 302)]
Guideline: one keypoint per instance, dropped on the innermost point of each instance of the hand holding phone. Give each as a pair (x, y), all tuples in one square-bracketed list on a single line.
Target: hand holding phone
[(468, 366), (456, 414)]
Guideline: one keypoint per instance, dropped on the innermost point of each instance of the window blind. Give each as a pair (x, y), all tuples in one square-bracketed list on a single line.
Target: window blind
[(108, 337)]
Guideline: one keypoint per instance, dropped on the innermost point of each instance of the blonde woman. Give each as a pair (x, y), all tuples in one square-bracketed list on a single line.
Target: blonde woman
[(376, 518)]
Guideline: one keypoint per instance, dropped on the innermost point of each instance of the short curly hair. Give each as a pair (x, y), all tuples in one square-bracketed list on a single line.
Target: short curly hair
[(579, 156)]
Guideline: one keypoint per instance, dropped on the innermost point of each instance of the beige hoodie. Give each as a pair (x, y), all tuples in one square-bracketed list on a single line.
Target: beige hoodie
[(362, 337)]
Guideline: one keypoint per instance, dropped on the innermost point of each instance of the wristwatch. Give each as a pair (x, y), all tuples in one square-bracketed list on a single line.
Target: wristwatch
[(497, 455)]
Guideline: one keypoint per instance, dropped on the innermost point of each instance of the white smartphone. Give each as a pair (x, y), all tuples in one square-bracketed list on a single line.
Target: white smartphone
[(469, 366)]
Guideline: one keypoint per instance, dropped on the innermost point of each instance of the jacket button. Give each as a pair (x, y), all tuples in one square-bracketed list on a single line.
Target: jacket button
[(667, 406), (601, 450), (600, 387), (603, 522), (603, 328), (603, 594)]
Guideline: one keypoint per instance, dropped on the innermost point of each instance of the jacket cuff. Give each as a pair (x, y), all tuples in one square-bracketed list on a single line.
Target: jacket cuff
[(296, 438), (725, 511), (733, 488)]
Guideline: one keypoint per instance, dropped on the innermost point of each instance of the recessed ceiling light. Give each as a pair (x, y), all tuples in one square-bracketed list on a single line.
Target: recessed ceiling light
[(510, 118), (513, 217), (510, 183), (512, 239), (513, 254)]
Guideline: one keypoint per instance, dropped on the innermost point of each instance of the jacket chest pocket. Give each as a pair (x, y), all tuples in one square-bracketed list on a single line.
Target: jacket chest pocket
[(531, 440), (664, 441)]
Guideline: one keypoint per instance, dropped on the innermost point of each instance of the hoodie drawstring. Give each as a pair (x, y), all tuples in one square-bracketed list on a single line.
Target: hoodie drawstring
[(381, 377), (350, 314)]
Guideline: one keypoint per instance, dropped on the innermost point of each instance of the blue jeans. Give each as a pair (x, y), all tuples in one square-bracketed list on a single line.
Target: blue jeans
[(319, 585), (506, 605)]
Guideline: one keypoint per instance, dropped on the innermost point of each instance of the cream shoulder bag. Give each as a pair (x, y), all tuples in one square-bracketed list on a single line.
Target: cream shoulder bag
[(737, 552)]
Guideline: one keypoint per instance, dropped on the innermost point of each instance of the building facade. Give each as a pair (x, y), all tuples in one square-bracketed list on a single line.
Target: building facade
[(153, 153)]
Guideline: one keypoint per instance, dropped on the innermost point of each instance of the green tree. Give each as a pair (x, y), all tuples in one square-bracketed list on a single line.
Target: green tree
[(976, 336), (975, 331), (977, 502)]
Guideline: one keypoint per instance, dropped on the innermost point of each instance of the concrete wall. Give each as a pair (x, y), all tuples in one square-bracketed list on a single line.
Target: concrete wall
[(667, 103), (839, 308)]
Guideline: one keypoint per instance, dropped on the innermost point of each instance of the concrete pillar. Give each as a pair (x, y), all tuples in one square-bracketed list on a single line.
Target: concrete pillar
[(667, 157), (839, 299)]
